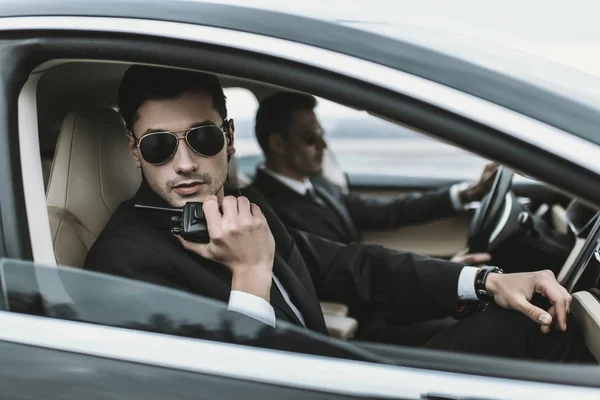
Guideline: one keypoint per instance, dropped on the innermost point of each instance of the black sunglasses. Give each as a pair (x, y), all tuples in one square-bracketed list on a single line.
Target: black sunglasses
[(159, 147)]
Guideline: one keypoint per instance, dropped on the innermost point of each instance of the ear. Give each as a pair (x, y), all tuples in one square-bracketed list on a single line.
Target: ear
[(133, 150), (230, 137), (277, 144)]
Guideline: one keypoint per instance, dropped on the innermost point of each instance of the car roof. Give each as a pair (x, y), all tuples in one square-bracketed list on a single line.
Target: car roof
[(551, 106)]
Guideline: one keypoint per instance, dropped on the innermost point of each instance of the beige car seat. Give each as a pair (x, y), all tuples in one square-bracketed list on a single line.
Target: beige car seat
[(92, 173)]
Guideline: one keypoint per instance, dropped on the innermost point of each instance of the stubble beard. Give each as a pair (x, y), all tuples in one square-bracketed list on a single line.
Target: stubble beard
[(166, 192)]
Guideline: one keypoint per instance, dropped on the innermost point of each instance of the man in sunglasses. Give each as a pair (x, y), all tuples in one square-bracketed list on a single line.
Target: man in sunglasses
[(180, 137), (293, 144)]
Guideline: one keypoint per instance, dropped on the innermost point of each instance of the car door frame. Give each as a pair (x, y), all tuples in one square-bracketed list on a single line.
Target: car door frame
[(396, 99)]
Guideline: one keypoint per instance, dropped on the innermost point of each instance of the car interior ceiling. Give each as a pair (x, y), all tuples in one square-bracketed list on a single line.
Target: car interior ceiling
[(76, 104)]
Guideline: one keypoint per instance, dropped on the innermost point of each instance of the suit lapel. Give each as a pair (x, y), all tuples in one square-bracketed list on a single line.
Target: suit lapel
[(329, 214), (300, 297), (341, 212), (290, 269), (282, 196)]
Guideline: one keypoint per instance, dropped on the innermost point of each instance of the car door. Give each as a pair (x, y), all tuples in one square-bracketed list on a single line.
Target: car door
[(71, 333), (194, 42)]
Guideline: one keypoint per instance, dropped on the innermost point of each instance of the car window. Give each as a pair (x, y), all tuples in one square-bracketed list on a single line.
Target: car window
[(78, 295), (364, 145), (242, 106)]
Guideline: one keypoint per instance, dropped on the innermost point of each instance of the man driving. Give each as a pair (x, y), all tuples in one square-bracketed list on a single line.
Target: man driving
[(180, 137), (293, 143)]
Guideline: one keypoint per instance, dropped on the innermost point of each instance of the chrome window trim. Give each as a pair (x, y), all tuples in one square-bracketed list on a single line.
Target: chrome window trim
[(267, 366)]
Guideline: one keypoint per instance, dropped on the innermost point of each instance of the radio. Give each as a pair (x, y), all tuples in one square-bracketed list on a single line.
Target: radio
[(190, 222)]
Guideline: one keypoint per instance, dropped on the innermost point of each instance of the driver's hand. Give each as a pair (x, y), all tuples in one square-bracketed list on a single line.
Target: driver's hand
[(240, 238), (514, 291), (463, 257), (476, 191)]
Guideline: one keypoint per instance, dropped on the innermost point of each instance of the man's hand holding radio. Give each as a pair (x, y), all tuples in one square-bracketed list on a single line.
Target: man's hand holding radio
[(240, 238)]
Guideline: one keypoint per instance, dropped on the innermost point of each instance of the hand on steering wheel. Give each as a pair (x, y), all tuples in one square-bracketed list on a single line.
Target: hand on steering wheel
[(489, 215), (478, 190)]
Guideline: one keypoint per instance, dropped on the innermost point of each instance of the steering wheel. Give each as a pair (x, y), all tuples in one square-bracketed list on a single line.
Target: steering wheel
[(493, 212)]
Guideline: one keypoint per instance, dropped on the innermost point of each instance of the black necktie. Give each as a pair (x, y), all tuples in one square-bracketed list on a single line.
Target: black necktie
[(312, 194)]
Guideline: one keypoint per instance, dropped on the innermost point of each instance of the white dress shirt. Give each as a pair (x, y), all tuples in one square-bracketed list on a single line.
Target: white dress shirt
[(297, 186), (261, 310)]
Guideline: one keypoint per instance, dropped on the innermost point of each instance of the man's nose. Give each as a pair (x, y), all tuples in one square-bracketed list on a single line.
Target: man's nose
[(322, 144), (184, 160)]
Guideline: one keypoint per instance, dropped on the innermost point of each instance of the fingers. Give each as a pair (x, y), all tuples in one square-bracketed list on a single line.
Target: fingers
[(213, 216), (561, 313), (243, 205), (238, 215), (199, 248), (256, 211), (557, 296), (492, 166), (567, 296), (462, 252), (474, 258), (230, 207), (489, 172), (535, 313), (552, 312)]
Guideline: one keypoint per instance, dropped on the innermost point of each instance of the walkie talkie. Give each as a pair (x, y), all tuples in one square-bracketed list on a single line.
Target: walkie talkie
[(190, 224)]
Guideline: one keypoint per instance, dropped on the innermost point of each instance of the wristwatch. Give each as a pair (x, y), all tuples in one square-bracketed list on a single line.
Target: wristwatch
[(481, 278)]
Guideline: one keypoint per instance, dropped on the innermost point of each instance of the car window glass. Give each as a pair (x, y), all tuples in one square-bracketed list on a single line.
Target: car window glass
[(241, 107), (363, 145), (78, 295)]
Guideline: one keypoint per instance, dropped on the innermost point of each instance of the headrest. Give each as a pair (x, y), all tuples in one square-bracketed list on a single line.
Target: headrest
[(92, 171)]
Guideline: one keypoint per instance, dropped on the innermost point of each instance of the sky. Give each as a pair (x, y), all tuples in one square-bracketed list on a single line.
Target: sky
[(563, 31)]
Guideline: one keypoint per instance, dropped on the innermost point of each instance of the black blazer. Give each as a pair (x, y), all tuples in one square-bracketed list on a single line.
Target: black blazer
[(347, 215), (138, 244)]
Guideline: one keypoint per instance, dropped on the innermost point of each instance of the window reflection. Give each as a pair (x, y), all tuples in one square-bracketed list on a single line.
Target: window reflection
[(90, 297)]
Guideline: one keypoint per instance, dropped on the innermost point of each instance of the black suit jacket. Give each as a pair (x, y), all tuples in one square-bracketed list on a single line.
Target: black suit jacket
[(347, 215), (138, 244)]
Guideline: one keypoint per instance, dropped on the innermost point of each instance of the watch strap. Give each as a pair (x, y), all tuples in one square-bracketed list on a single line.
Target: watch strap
[(480, 280)]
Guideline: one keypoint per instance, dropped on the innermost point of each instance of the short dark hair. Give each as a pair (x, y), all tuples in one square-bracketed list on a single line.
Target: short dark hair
[(141, 83), (275, 115)]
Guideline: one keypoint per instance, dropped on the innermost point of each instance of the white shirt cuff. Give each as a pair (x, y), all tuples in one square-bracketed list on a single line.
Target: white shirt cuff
[(455, 198), (466, 284), (252, 306)]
